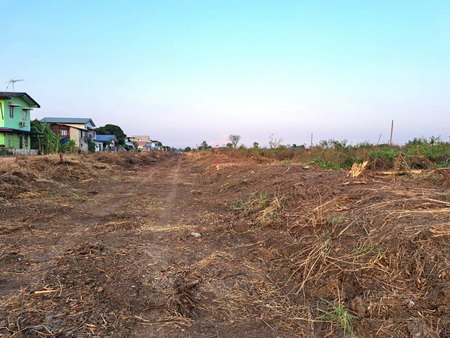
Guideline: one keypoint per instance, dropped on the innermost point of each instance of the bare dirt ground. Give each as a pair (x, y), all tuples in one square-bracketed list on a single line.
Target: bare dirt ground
[(169, 245)]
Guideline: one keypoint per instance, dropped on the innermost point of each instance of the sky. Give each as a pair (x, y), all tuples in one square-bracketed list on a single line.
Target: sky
[(187, 71)]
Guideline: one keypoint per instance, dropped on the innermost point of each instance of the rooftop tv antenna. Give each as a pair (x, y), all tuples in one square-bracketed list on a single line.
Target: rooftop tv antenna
[(12, 81)]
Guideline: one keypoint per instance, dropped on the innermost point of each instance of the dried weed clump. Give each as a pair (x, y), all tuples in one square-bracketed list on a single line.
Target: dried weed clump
[(42, 173), (261, 207), (128, 160), (384, 258)]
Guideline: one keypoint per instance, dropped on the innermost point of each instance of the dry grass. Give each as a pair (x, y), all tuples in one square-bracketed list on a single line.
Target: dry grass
[(394, 251), (19, 179)]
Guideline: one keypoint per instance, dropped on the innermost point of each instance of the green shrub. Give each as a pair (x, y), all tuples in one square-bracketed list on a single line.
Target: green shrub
[(384, 158), (5, 152), (433, 149)]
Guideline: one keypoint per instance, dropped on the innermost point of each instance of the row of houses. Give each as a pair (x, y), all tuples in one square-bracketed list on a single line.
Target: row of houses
[(15, 128), (145, 143)]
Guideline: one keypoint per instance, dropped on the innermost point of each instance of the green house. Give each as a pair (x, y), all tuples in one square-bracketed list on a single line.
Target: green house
[(15, 120)]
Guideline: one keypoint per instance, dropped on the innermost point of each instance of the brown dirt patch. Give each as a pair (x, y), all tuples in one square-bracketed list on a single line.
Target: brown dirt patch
[(168, 245)]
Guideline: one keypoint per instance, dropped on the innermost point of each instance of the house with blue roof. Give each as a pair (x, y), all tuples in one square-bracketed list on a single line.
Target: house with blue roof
[(80, 130), (106, 142)]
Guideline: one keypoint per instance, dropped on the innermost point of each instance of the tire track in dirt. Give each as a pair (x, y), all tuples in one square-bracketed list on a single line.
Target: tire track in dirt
[(169, 200), (169, 249), (194, 278)]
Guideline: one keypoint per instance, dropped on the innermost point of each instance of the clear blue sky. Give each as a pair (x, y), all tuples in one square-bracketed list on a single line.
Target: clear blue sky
[(184, 71)]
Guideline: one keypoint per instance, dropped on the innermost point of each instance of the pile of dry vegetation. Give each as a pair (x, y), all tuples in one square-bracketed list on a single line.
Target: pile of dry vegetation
[(27, 175)]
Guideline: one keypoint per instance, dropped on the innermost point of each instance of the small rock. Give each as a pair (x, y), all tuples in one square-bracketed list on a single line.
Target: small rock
[(442, 309), (196, 234), (306, 167), (99, 289), (418, 328), (358, 306)]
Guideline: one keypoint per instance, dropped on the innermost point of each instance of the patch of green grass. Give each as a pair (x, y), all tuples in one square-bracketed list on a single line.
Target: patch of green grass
[(327, 165), (333, 220), (238, 204), (339, 316), (254, 204), (262, 208), (366, 248), (257, 202)]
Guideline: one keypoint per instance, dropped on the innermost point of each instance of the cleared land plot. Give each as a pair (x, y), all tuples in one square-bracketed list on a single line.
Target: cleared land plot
[(169, 245)]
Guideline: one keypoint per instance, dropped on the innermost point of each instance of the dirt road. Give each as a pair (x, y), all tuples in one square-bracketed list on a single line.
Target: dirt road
[(122, 255), (178, 248)]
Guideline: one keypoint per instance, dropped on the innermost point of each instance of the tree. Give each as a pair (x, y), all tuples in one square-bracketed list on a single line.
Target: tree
[(35, 126), (234, 139), (255, 145), (112, 129), (274, 142), (203, 146), (46, 141), (187, 149), (71, 147), (91, 146)]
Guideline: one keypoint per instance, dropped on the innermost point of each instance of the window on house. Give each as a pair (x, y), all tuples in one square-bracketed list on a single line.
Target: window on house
[(63, 132), (11, 111), (24, 114)]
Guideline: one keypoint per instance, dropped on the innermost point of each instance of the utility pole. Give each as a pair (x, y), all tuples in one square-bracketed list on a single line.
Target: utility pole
[(392, 132)]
